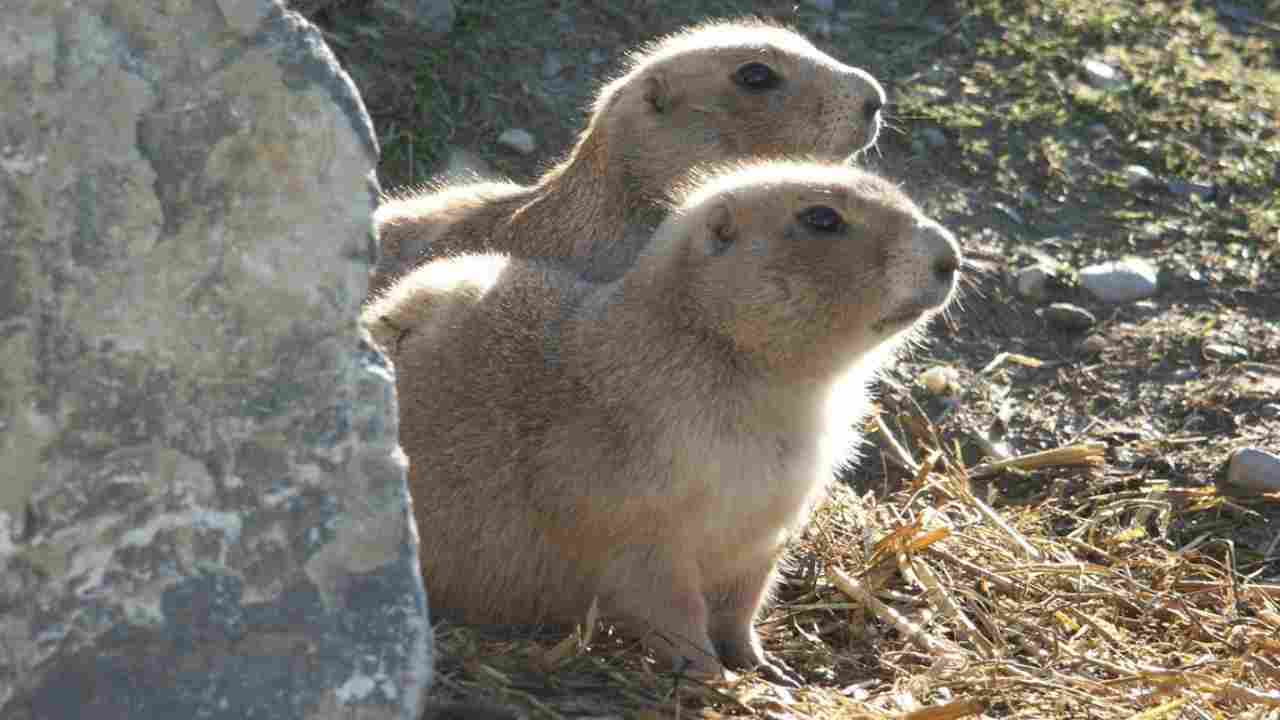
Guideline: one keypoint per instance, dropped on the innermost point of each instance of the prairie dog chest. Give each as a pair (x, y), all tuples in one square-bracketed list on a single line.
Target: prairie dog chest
[(754, 487)]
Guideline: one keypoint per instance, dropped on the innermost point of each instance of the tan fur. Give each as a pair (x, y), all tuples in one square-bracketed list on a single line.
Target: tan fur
[(675, 106), (653, 441)]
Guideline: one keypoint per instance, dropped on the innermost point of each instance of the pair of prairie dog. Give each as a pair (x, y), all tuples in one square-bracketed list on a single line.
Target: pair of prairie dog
[(648, 433)]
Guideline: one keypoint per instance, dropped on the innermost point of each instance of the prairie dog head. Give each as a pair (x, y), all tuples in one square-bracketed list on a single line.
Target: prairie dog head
[(804, 268), (731, 91)]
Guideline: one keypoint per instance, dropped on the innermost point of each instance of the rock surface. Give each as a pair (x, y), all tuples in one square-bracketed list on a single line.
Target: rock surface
[(1253, 470), (203, 509), (1121, 281)]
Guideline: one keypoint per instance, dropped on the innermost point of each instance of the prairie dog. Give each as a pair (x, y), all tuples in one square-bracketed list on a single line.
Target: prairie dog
[(653, 441), (713, 93)]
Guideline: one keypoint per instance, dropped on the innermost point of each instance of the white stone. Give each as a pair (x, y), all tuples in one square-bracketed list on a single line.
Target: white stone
[(1224, 352), (1138, 176), (1102, 75), (1121, 281), (1254, 469), (518, 139), (934, 138)]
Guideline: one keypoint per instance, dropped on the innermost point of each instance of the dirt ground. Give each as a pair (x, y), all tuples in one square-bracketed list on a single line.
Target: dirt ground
[(999, 130)]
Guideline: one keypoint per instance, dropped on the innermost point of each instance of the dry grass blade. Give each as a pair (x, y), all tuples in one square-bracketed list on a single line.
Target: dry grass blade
[(1272, 591), (1019, 540), (897, 454), (957, 709), (1160, 711), (942, 599), (904, 625), (1080, 454), (1251, 696), (1008, 357)]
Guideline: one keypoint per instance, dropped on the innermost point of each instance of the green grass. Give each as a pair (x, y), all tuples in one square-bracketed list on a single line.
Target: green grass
[(1201, 105)]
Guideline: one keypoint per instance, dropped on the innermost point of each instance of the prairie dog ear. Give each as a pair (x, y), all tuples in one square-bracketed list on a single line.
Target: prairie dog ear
[(657, 92), (722, 227)]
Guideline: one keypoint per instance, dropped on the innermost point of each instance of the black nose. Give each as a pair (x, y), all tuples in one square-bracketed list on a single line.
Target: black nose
[(871, 107)]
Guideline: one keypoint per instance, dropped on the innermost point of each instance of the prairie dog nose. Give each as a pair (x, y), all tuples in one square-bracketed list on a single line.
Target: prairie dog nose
[(943, 252), (867, 89), (871, 108), (875, 96)]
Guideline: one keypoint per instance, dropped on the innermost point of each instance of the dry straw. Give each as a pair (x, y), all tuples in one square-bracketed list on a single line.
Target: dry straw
[(928, 603)]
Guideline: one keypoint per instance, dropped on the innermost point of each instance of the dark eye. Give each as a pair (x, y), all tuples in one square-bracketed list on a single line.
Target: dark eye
[(756, 76), (822, 219)]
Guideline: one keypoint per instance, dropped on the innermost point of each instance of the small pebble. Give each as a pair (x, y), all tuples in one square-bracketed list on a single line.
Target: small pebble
[(1094, 344), (934, 138), (1121, 281), (1102, 75), (1224, 352), (518, 139), (1012, 214), (930, 92), (1068, 317), (940, 379), (552, 65), (1188, 189), (1033, 282), (1139, 177), (1253, 469)]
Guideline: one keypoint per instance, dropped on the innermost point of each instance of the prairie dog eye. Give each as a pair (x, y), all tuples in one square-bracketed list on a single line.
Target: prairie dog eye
[(756, 76), (822, 219)]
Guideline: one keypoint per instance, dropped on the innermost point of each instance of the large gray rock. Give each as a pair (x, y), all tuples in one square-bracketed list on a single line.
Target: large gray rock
[(203, 510)]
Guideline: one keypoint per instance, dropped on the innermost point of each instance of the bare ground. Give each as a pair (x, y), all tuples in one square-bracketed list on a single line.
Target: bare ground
[(1113, 580)]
